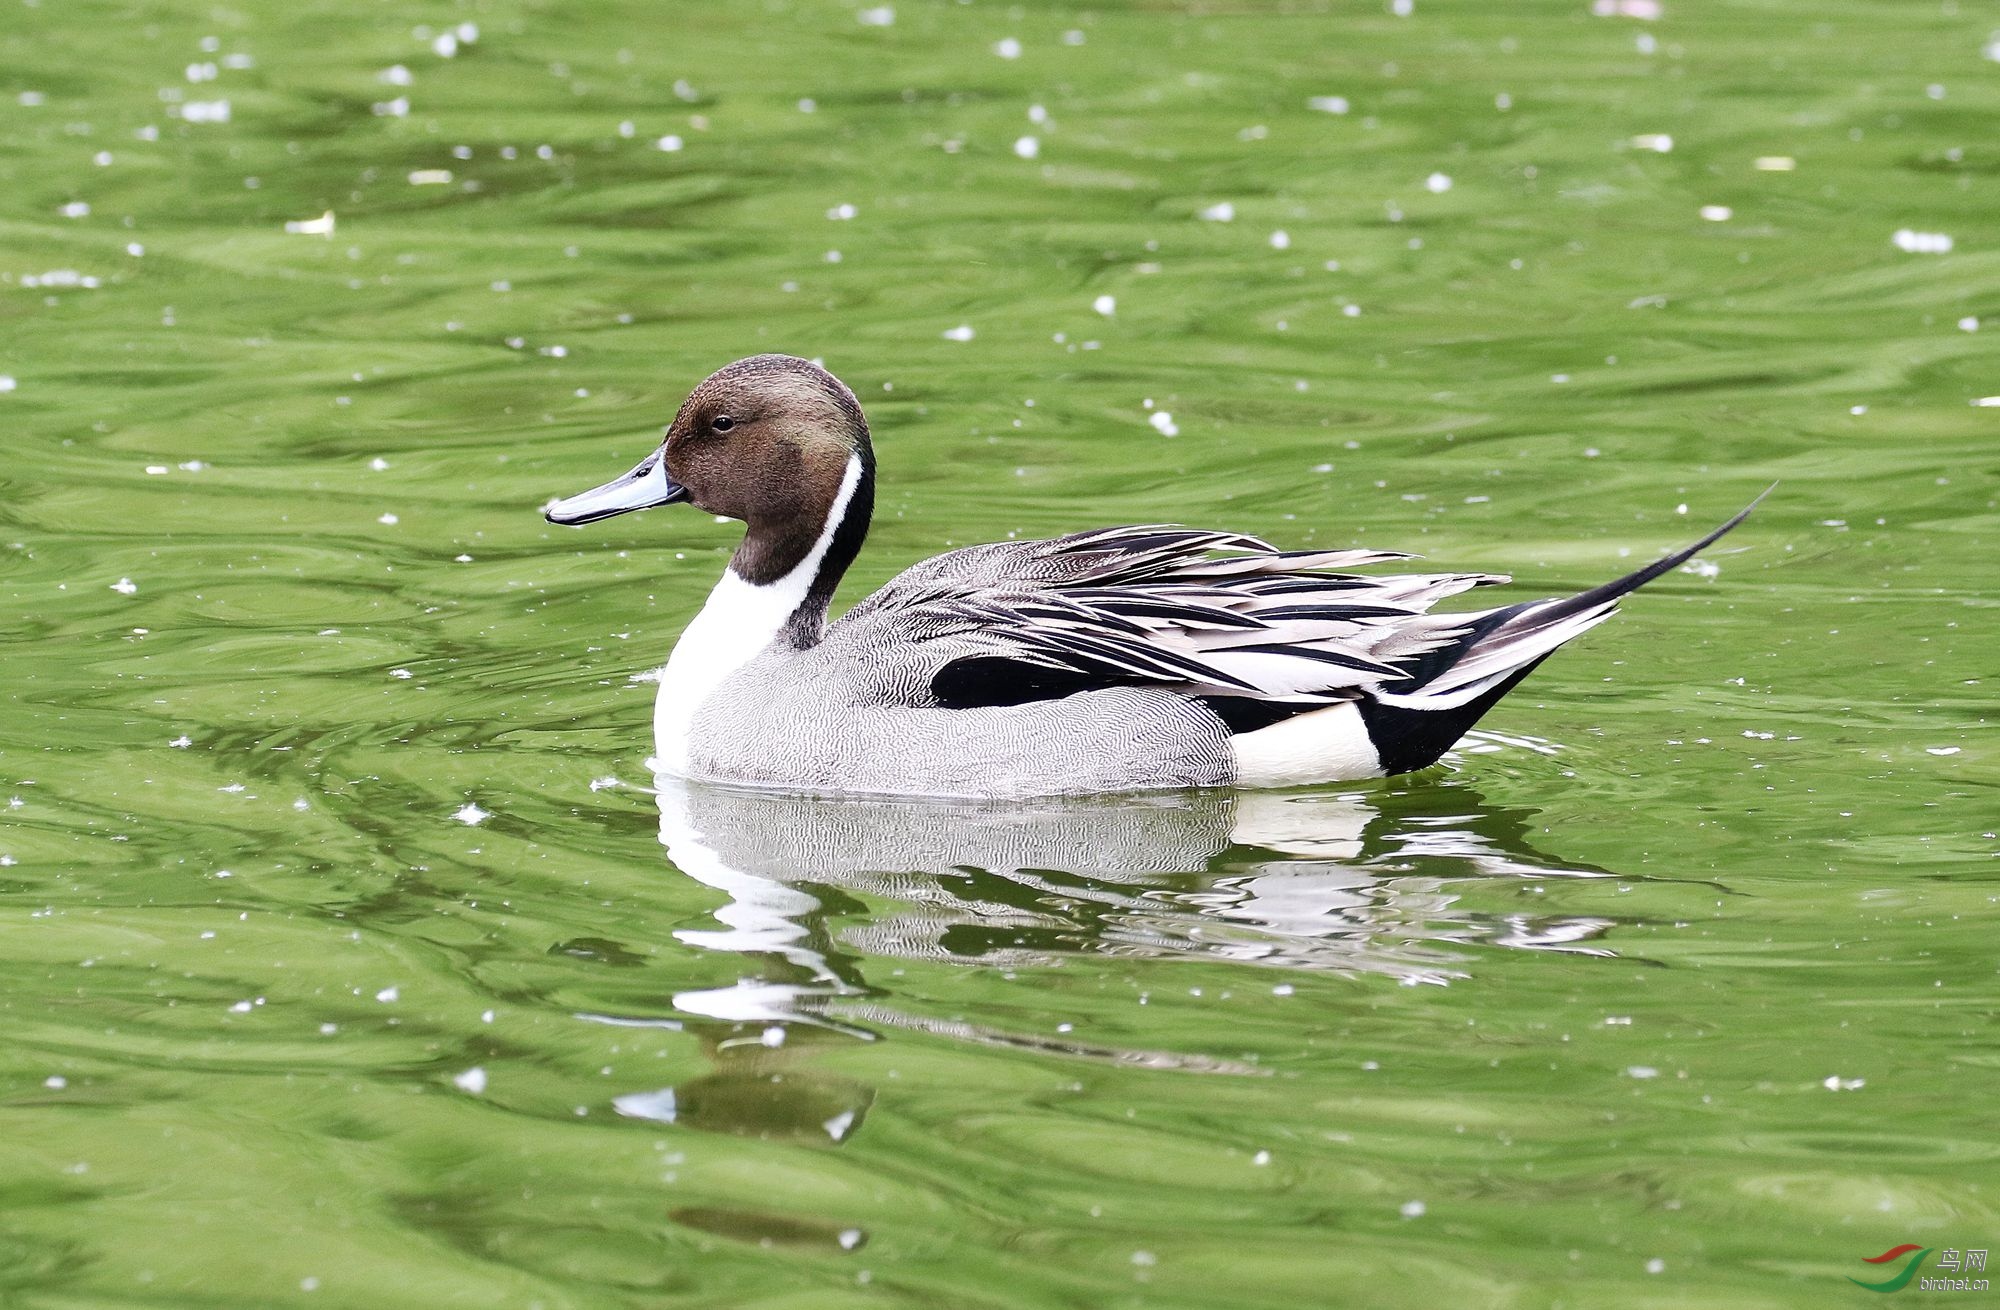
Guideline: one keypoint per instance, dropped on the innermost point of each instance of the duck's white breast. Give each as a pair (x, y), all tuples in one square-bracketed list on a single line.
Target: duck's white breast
[(737, 624)]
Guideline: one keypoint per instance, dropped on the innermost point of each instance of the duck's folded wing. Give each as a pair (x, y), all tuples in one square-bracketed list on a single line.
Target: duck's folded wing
[(1207, 614)]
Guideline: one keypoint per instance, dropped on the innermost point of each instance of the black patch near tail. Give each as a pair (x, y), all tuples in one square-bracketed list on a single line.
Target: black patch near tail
[(1408, 739)]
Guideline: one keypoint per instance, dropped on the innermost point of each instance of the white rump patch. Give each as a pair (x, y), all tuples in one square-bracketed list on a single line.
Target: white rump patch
[(1329, 745)]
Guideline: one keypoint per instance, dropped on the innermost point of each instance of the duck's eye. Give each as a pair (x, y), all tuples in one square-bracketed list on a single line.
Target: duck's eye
[(721, 423)]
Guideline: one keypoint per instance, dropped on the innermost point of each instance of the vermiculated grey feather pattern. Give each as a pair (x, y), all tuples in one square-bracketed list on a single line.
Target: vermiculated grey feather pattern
[(1139, 620)]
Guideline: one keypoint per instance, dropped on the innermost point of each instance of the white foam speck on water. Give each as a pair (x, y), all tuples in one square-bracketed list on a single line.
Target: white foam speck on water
[(1774, 163), (1027, 147), (658, 1106), (1281, 240), (388, 520), (473, 1080), (1221, 212), (471, 815), (1261, 1158), (808, 105), (850, 1238), (1988, 402), (1412, 1209), (1921, 243), (1038, 115), (430, 177), (774, 1036), (387, 995), (396, 75), (379, 464), (878, 16), (404, 674), (1835, 1083), (1941, 750), (75, 209), (1642, 1071), (55, 1082), (312, 227), (1657, 142), (1105, 305), (1145, 1259), (61, 278), (842, 212), (1328, 104), (397, 108), (1970, 323), (445, 45), (1656, 1266), (1646, 11), (181, 742), (669, 143), (963, 332), (1717, 213), (32, 99), (838, 1126), (1437, 183), (1007, 47), (204, 111), (1282, 989), (125, 587), (1163, 423), (7, 383), (1702, 568)]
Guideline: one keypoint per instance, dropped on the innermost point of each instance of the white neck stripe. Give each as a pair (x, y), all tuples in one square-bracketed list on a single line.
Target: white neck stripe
[(739, 622)]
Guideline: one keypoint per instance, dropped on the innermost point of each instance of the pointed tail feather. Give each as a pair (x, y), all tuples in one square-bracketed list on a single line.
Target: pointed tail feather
[(1446, 691)]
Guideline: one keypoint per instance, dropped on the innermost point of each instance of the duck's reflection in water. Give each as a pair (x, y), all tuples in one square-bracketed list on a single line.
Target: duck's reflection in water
[(826, 895), (1304, 881)]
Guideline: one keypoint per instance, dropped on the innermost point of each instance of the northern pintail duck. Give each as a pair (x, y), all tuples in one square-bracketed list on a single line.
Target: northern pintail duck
[(1119, 659)]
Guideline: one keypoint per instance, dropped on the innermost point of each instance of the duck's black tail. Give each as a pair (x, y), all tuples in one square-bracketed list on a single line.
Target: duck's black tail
[(1415, 720)]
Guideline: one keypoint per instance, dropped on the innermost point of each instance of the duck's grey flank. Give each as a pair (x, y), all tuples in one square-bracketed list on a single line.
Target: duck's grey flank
[(1119, 659)]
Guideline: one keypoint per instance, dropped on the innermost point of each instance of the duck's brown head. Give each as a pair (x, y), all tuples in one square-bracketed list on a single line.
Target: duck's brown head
[(768, 440)]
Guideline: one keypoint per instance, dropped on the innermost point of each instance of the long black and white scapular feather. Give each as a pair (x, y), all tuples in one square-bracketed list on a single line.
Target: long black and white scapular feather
[(1257, 634)]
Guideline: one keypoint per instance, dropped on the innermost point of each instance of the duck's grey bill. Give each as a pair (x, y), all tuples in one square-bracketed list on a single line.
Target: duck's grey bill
[(644, 487)]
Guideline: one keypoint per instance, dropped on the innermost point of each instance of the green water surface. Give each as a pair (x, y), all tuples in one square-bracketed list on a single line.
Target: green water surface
[(341, 961)]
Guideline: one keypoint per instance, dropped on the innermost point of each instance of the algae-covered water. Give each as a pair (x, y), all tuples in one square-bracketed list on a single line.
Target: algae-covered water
[(341, 958)]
